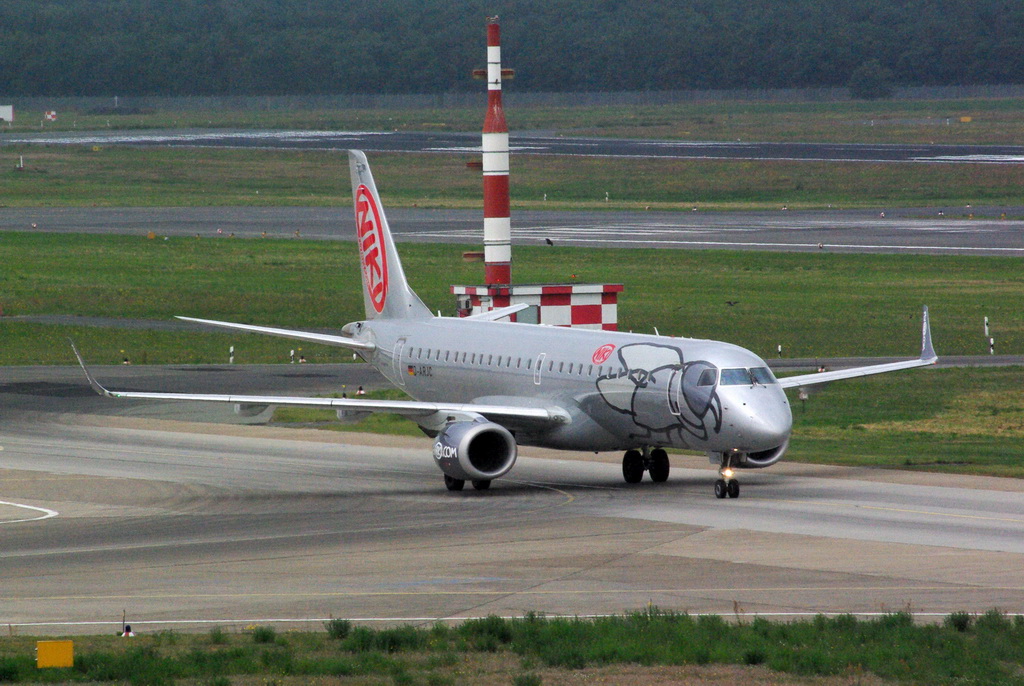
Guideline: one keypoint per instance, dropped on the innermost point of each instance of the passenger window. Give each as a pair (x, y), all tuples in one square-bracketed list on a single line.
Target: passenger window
[(590, 370), (489, 360), (529, 363), (446, 353), (561, 366), (570, 368)]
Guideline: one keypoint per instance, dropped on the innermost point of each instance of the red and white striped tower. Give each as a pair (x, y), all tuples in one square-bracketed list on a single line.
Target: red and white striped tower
[(497, 225)]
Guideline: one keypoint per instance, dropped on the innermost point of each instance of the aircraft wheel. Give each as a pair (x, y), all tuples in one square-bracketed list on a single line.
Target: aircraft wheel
[(633, 467), (721, 489), (453, 484), (481, 484), (734, 488), (660, 467)]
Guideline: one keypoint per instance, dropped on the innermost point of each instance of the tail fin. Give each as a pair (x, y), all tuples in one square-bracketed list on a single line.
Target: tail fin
[(386, 293)]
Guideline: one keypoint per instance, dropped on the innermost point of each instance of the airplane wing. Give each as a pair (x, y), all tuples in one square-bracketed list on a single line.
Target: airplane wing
[(928, 357), (408, 408), (309, 336)]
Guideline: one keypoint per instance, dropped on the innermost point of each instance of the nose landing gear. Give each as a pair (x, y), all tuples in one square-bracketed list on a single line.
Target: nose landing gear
[(727, 485), (729, 488)]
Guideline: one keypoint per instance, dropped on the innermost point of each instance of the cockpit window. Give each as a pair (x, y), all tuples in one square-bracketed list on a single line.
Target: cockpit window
[(747, 377), (707, 377), (735, 377)]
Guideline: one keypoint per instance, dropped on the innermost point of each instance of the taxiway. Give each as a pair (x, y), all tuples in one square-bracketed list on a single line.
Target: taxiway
[(538, 143), (956, 231), (180, 523)]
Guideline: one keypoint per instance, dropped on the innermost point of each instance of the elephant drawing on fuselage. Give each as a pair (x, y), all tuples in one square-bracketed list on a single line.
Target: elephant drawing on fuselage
[(663, 393)]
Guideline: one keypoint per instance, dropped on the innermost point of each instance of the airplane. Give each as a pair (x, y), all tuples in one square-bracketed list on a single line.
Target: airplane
[(482, 385)]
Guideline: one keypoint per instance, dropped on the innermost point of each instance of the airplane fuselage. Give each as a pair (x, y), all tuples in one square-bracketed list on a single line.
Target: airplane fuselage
[(621, 390)]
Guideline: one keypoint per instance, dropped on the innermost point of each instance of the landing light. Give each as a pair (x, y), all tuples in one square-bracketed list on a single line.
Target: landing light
[(727, 473)]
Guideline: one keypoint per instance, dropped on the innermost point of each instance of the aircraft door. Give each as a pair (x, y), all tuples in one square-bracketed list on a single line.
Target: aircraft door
[(397, 362), (537, 369), (675, 393)]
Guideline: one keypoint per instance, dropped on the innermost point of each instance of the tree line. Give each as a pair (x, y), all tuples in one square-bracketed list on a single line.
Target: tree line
[(294, 47)]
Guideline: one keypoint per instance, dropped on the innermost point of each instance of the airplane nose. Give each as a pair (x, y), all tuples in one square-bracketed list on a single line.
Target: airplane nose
[(765, 423)]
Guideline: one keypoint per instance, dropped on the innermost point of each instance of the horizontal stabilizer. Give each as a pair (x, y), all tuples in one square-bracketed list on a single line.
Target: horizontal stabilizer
[(308, 336), (499, 313)]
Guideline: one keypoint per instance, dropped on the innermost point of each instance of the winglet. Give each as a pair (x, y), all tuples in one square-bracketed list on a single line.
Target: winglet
[(927, 351), (92, 380)]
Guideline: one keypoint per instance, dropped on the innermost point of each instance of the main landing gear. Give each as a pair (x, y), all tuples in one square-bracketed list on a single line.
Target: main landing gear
[(453, 484), (635, 463)]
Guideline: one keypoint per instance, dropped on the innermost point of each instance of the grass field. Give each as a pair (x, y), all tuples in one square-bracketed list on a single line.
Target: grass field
[(886, 121), (67, 176), (963, 421), (818, 304), (83, 176), (534, 650)]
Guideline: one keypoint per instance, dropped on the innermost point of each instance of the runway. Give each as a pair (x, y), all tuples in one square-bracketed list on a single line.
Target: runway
[(992, 231), (180, 523), (538, 143), (956, 231)]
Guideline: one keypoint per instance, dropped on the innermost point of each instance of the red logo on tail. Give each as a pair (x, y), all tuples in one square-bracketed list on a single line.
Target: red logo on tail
[(370, 235)]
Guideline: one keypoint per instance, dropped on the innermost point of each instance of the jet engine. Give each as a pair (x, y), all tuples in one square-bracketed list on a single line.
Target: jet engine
[(475, 451)]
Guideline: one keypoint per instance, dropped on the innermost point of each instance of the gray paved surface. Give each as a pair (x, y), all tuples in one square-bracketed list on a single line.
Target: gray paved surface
[(917, 230), (180, 523), (900, 231), (540, 143)]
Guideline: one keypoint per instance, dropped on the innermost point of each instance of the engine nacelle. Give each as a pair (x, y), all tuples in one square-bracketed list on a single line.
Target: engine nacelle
[(473, 451)]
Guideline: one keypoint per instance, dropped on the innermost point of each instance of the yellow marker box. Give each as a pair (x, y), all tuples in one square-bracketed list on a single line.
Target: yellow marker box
[(55, 654)]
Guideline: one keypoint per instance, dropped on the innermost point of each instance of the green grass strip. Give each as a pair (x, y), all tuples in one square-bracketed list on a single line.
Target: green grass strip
[(963, 649), (819, 304)]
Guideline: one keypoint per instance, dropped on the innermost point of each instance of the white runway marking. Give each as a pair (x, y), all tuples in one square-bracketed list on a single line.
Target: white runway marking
[(47, 514), (635, 240), (980, 159)]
